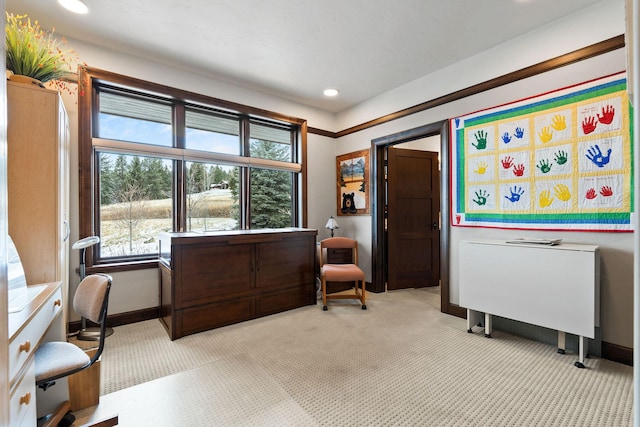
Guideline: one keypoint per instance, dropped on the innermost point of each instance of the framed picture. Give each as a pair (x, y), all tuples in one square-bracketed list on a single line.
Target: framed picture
[(352, 182)]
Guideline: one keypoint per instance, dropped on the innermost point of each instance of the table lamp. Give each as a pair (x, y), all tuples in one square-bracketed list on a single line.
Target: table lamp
[(332, 224)]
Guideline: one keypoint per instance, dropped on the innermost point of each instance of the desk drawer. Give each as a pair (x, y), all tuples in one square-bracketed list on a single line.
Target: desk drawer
[(22, 404), (24, 344)]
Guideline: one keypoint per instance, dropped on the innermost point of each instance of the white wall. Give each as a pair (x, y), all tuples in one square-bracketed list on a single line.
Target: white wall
[(603, 21)]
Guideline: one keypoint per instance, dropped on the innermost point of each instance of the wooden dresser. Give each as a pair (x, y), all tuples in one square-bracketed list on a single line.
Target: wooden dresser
[(27, 328), (208, 280)]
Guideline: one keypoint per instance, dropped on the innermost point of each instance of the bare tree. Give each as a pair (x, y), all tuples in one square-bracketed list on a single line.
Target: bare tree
[(130, 209)]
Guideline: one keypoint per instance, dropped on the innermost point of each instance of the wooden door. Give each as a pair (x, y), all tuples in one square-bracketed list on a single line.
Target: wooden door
[(413, 208)]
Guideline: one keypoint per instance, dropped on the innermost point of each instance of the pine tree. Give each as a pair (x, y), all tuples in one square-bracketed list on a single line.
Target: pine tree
[(136, 177), (270, 189), (107, 180), (157, 178), (120, 173)]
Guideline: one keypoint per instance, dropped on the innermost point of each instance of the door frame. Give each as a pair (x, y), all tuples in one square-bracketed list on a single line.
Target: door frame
[(378, 237)]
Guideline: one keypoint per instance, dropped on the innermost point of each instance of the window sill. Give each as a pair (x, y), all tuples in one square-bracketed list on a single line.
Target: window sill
[(122, 266)]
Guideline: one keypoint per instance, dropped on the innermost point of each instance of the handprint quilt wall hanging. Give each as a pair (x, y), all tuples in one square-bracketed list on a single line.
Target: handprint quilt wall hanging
[(558, 161)]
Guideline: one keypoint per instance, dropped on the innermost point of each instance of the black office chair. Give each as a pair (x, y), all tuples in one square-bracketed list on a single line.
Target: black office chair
[(57, 359)]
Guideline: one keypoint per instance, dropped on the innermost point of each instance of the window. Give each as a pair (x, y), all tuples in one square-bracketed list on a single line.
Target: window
[(212, 133), (135, 203), (154, 158), (212, 197)]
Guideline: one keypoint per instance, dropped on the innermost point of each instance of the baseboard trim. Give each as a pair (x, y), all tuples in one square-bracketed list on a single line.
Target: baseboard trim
[(456, 310), (617, 353), (123, 318)]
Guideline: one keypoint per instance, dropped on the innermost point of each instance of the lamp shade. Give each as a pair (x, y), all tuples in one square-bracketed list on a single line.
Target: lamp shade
[(332, 224)]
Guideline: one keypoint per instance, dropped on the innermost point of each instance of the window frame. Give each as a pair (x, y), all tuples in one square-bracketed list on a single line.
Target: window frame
[(90, 79)]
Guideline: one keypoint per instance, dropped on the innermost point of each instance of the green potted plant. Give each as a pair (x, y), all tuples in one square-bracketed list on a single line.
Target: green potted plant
[(36, 54)]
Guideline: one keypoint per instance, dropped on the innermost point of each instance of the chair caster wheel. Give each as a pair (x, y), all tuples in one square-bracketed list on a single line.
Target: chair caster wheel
[(324, 308), (364, 307), (579, 365)]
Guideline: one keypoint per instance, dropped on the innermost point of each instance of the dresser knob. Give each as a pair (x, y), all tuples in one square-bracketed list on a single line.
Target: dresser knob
[(57, 302), (25, 346), (25, 399)]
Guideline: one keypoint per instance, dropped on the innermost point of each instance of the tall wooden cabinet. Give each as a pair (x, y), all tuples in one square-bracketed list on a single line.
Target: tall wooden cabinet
[(38, 182)]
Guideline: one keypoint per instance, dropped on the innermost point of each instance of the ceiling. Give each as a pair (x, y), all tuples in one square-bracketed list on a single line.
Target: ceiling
[(296, 48)]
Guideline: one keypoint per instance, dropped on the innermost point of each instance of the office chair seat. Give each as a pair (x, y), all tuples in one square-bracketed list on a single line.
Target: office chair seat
[(55, 358)]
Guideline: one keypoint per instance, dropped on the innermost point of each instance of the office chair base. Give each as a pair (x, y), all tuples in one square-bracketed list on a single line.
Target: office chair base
[(93, 334), (67, 420)]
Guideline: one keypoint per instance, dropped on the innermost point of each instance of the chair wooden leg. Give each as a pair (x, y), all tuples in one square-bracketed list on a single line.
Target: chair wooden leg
[(324, 293), (364, 295)]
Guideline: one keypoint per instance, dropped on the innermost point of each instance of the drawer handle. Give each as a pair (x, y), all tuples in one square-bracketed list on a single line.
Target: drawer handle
[(25, 346), (25, 399), (57, 302)]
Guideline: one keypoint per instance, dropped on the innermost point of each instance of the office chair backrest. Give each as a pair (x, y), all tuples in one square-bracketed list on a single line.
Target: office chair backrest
[(91, 301), (91, 297)]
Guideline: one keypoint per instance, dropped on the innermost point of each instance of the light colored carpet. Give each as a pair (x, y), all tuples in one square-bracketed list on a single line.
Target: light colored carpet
[(401, 362)]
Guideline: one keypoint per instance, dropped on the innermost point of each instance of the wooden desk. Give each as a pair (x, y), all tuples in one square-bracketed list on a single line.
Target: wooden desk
[(557, 287), (27, 329)]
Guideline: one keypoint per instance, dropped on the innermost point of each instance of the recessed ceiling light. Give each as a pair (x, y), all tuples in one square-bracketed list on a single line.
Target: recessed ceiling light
[(331, 92), (75, 6)]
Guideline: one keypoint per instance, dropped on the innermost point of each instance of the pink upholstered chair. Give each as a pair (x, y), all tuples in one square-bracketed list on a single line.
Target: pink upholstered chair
[(341, 272)]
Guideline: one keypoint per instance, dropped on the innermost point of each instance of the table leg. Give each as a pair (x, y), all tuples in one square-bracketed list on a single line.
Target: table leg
[(562, 339), (474, 318), (584, 349), (487, 325)]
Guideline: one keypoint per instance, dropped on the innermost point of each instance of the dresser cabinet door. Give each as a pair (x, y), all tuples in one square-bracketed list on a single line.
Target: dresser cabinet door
[(210, 273)]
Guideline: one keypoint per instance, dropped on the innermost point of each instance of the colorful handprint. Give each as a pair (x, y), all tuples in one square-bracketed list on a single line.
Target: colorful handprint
[(544, 166), (519, 133), (481, 137), (562, 192), (507, 162), (561, 157), (518, 170), (595, 155), (591, 194), (559, 122), (606, 191), (545, 199), (481, 197), (516, 193), (545, 134), (607, 115), (589, 125), (482, 168), (506, 138)]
